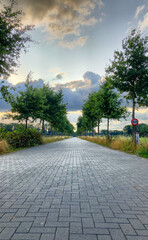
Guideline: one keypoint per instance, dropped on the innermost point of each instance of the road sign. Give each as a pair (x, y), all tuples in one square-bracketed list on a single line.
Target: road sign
[(134, 122)]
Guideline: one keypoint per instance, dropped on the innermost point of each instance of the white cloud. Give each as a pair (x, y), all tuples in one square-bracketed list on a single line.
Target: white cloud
[(72, 44), (143, 24), (62, 19), (139, 10)]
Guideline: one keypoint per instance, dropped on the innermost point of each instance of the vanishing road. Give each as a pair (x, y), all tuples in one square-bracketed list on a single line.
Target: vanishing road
[(73, 190)]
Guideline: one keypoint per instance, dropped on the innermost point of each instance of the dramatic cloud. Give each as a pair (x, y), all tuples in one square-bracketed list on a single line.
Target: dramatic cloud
[(144, 24), (62, 18), (75, 92), (139, 10)]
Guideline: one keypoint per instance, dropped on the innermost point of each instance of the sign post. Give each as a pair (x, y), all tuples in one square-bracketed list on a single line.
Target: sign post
[(137, 138), (135, 122)]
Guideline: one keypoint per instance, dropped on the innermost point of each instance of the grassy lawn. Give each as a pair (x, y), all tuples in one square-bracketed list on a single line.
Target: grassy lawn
[(122, 143)]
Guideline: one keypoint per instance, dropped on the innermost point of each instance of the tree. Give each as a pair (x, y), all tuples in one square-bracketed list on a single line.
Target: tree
[(127, 129), (82, 125), (52, 109), (89, 111), (26, 104), (142, 128), (111, 104), (128, 71), (57, 110), (13, 38)]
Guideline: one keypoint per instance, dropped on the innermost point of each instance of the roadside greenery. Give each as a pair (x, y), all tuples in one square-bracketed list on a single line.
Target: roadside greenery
[(41, 104), (21, 138), (105, 103), (124, 144), (128, 72)]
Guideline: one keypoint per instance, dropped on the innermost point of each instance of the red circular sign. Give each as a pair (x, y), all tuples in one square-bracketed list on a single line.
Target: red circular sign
[(134, 122)]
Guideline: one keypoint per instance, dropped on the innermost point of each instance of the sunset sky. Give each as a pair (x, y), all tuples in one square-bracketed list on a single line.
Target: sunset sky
[(76, 39)]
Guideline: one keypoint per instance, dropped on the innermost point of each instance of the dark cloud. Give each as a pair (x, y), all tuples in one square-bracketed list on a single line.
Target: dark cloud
[(61, 18), (75, 92), (92, 76), (59, 76)]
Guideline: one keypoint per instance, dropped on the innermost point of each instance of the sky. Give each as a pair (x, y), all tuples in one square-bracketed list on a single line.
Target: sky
[(76, 39)]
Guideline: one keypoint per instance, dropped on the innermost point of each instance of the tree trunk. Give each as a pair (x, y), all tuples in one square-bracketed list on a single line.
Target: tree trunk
[(43, 127), (26, 125), (133, 116), (51, 131), (108, 128), (98, 125)]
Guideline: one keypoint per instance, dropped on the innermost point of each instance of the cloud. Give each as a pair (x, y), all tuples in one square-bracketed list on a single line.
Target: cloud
[(143, 24), (92, 76), (59, 76), (75, 92), (72, 44), (62, 18), (139, 10)]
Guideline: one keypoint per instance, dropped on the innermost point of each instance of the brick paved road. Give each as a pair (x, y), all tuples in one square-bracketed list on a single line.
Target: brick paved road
[(73, 190)]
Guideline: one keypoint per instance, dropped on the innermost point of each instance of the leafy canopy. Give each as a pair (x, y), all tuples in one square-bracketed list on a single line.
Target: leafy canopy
[(128, 71), (13, 38)]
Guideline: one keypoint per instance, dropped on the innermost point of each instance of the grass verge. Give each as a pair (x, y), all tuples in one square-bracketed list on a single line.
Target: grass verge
[(123, 144), (6, 148), (53, 139)]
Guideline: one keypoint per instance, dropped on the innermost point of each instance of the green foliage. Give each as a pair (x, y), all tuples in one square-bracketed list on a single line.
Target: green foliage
[(124, 144), (128, 71), (102, 104), (83, 125), (89, 111), (111, 104), (112, 132), (141, 128), (9, 127), (22, 137), (25, 104), (13, 38), (51, 108)]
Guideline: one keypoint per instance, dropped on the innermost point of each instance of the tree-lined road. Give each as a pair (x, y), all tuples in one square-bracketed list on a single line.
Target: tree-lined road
[(73, 190)]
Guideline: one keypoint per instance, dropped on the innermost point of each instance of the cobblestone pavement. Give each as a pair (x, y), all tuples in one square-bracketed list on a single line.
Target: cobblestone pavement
[(73, 190)]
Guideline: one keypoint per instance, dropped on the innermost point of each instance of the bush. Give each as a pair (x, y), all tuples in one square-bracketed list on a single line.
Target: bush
[(22, 137), (4, 147)]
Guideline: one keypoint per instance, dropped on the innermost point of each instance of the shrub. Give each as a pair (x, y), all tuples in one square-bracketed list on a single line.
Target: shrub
[(4, 147), (22, 137)]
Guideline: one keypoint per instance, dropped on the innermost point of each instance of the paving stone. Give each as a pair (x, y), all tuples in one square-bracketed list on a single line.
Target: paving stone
[(26, 236), (62, 234), (117, 234), (95, 231), (136, 224), (105, 237), (73, 190), (87, 222), (47, 237), (127, 229), (142, 232), (137, 237), (7, 233), (24, 227), (75, 227), (82, 237)]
